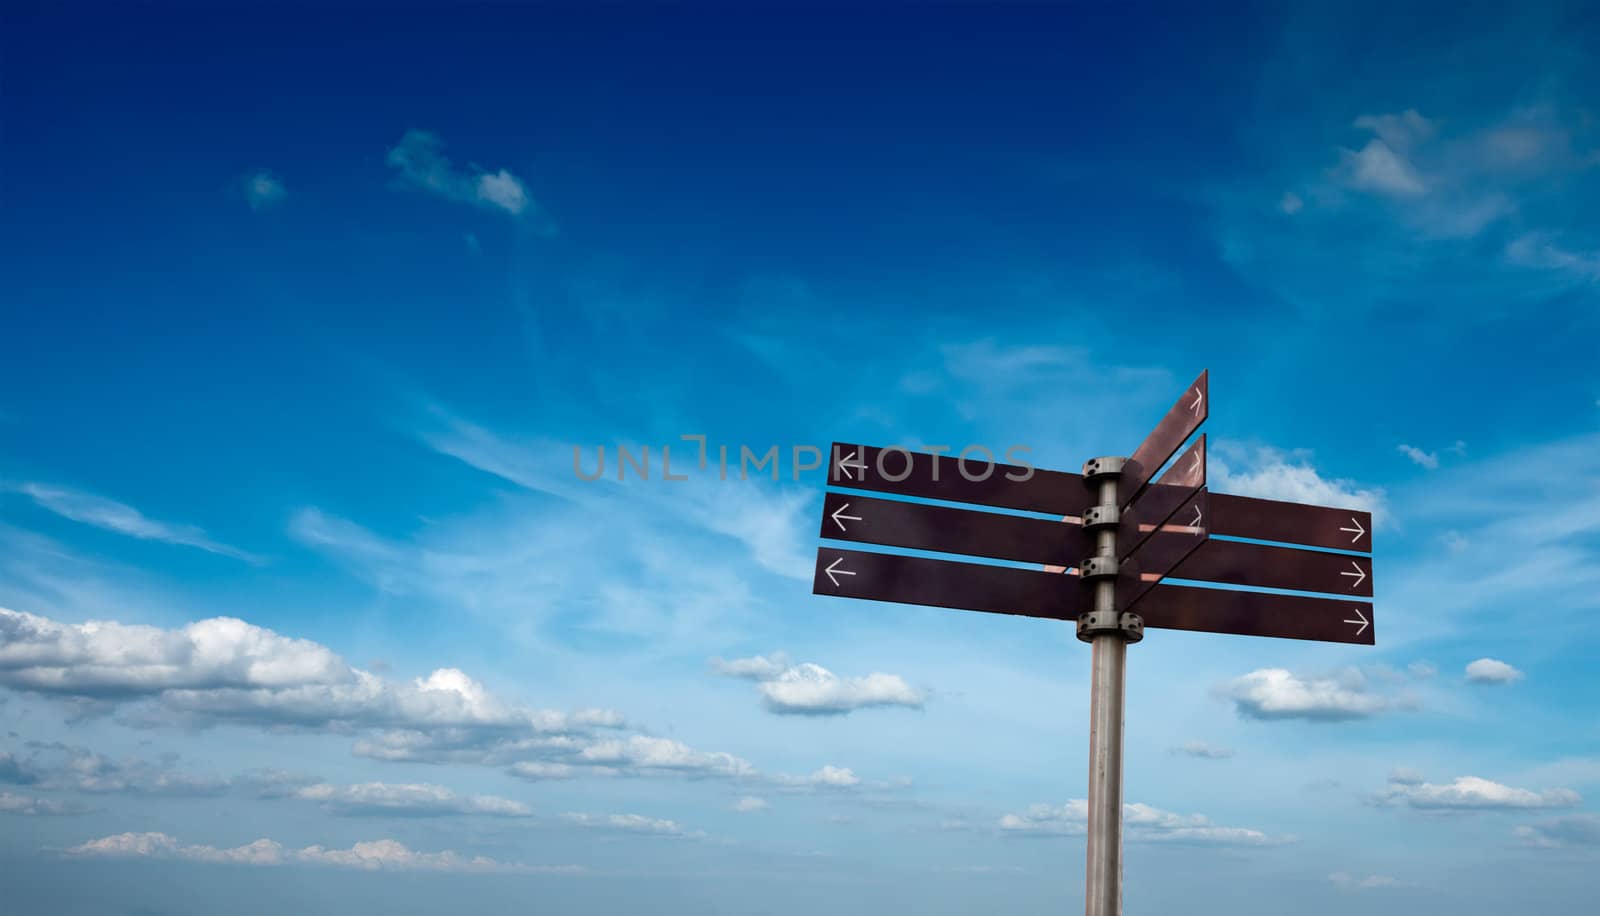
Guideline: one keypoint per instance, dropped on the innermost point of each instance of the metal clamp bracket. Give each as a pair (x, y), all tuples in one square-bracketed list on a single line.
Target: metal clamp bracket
[(1096, 517), (1097, 568), (1105, 466), (1095, 623)]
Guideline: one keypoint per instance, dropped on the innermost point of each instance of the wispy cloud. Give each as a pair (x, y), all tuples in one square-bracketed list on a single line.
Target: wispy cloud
[(419, 162), (100, 512), (1347, 882), (373, 855), (407, 800), (1202, 750), (263, 190), (1141, 823), (1429, 460), (1554, 833), (633, 823), (29, 806)]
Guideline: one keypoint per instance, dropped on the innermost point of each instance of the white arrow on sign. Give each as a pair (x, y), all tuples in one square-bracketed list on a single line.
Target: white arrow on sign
[(1196, 523), (836, 516), (1359, 531), (1194, 467), (1363, 621), (1360, 575), (831, 570), (1198, 397), (845, 465)]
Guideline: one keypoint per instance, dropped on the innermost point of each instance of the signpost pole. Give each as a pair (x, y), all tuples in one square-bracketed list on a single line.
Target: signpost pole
[(1108, 631)]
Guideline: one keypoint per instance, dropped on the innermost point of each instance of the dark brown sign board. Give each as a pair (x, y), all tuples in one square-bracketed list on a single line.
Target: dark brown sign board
[(1161, 500), (1163, 551), (1215, 610), (947, 477), (896, 523), (1291, 523), (948, 583), (1264, 566), (1173, 430)]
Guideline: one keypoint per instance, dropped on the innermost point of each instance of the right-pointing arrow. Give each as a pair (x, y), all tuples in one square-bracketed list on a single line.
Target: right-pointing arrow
[(1358, 530), (1360, 574), (832, 568), (1363, 621)]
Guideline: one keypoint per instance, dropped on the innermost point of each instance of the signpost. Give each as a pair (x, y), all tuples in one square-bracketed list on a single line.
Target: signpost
[(1123, 529)]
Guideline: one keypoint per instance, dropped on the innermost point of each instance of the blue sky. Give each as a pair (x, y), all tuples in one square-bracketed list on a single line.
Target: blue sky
[(304, 313)]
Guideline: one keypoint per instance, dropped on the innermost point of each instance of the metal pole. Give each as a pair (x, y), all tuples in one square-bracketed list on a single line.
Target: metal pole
[(1108, 632)]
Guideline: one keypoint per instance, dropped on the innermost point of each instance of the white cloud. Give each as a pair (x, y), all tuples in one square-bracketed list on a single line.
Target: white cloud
[(1348, 882), (1543, 251), (1429, 460), (1469, 793), (1557, 832), (833, 777), (632, 823), (263, 190), (1269, 473), (374, 855), (224, 670), (810, 689), (641, 752), (534, 770), (1401, 131), (1492, 671), (1140, 823), (1291, 203), (1423, 670), (89, 509), (750, 803), (1203, 750), (1377, 167), (420, 161), (1275, 693), (408, 799)]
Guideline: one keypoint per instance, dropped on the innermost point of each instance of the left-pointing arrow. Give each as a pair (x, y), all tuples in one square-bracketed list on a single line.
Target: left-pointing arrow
[(851, 461), (837, 517), (834, 571)]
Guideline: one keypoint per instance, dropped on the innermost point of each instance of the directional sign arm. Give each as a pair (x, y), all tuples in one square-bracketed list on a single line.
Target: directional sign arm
[(1181, 421), (928, 476), (896, 523), (1164, 551), (946, 583), (1160, 501), (1265, 566), (1215, 610), (1291, 523)]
